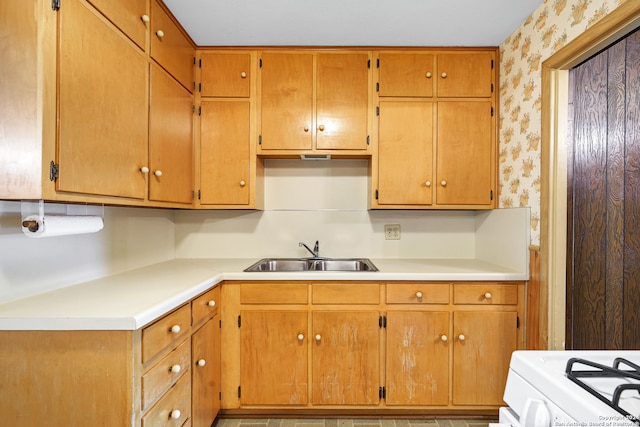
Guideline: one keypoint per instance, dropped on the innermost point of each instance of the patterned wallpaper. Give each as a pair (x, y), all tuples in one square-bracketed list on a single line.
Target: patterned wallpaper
[(549, 28)]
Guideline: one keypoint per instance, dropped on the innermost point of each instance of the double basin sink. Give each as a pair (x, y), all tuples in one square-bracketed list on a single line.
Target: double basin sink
[(312, 264)]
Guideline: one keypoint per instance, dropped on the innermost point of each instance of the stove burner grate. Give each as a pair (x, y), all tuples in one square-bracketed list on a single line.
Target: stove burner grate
[(604, 371)]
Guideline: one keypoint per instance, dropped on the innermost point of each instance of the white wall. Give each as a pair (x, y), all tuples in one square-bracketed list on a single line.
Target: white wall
[(131, 238)]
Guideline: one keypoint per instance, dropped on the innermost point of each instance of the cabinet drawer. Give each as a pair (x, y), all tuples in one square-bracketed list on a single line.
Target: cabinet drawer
[(171, 328), (274, 293), (485, 293), (418, 293), (345, 293), (165, 373), (178, 398), (206, 305)]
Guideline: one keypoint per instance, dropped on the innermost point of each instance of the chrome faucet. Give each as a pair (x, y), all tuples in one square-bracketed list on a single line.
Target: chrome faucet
[(316, 249)]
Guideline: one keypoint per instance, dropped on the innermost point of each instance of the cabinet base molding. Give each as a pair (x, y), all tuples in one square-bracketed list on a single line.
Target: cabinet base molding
[(479, 413)]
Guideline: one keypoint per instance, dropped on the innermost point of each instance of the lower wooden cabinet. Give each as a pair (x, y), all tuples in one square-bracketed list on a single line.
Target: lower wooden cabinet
[(166, 374), (382, 347)]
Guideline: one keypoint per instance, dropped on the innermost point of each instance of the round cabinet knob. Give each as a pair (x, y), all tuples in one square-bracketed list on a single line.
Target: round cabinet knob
[(427, 184), (443, 183), (444, 75), (488, 295), (145, 19), (243, 75), (144, 169), (443, 338), (243, 183), (158, 173), (418, 294), (160, 34), (461, 337), (300, 337), (318, 337), (175, 414), (211, 303), (201, 362), (306, 128), (175, 369), (321, 128), (428, 75), (175, 329)]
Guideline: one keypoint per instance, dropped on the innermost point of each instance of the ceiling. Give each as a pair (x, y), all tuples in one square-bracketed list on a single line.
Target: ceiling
[(351, 22)]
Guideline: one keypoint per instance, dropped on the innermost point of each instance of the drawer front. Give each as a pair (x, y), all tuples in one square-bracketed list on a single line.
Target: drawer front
[(345, 293), (206, 305), (165, 373), (418, 293), (178, 398), (274, 293), (487, 293), (171, 328)]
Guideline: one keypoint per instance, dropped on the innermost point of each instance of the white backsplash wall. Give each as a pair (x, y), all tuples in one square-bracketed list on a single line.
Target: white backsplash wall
[(131, 238)]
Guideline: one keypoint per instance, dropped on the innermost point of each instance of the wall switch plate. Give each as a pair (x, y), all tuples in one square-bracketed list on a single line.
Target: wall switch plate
[(392, 231)]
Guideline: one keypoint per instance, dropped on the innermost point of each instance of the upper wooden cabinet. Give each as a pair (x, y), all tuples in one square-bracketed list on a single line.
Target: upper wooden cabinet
[(130, 16), (170, 47), (102, 110), (228, 170), (314, 102), (455, 74), (226, 75), (436, 139)]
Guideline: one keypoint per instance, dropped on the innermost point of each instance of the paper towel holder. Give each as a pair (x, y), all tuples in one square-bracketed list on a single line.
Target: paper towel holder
[(37, 208)]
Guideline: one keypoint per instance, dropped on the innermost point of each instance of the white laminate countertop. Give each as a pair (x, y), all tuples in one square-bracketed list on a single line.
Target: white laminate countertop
[(133, 299)]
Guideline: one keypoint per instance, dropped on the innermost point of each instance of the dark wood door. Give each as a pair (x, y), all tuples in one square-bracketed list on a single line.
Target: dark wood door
[(603, 229)]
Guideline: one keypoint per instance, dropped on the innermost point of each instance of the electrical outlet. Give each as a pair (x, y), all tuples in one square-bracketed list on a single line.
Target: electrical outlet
[(392, 231)]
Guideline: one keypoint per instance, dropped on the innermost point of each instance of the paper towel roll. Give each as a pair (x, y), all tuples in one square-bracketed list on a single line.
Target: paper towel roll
[(57, 225)]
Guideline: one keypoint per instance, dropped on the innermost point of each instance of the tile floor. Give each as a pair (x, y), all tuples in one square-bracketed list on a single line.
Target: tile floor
[(349, 422)]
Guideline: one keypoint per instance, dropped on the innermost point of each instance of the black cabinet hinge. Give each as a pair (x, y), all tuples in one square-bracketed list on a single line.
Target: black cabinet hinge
[(491, 87), (220, 395), (200, 110), (239, 392), (369, 63), (491, 111), (239, 321), (259, 139), (368, 140), (55, 5), (220, 319), (517, 322), (376, 194), (54, 171), (199, 198), (382, 321), (378, 63), (199, 87), (377, 86), (491, 195), (260, 62), (492, 64), (200, 63), (193, 194), (382, 392), (377, 111)]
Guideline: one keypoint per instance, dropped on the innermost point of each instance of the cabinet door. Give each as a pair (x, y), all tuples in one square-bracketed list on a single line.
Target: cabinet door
[(102, 113), (465, 75), (405, 153), (127, 15), (483, 343), (346, 358), (170, 140), (226, 75), (273, 358), (417, 363), (224, 153), (287, 101), (465, 153), (342, 101), (406, 74), (205, 395), (170, 47)]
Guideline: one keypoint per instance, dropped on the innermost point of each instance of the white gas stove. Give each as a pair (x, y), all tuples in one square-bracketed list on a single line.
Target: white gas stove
[(572, 388)]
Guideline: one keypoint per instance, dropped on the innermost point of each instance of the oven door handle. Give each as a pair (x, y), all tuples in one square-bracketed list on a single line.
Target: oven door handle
[(535, 414)]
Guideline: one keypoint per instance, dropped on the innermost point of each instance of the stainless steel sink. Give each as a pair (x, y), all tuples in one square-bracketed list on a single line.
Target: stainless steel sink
[(311, 264)]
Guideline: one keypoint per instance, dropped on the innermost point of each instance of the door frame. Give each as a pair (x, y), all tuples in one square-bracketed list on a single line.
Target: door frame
[(553, 200)]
